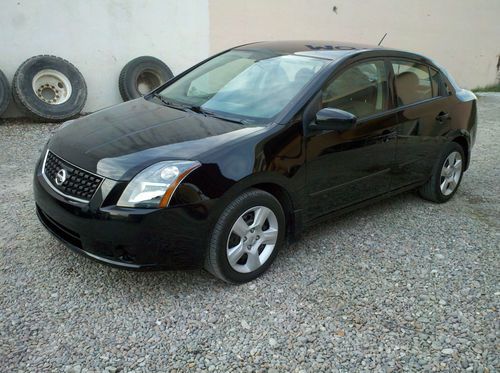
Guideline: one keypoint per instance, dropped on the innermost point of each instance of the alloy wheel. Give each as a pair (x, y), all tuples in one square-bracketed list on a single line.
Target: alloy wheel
[(252, 239), (450, 173)]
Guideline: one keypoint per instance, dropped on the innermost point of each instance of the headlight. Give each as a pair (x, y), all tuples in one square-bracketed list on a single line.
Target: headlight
[(154, 186)]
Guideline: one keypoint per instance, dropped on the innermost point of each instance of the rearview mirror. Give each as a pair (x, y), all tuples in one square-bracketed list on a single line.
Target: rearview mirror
[(334, 119)]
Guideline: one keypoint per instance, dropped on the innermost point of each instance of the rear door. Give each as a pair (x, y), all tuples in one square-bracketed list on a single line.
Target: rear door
[(423, 119)]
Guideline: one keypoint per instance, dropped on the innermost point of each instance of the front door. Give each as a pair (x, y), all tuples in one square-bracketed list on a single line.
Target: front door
[(355, 165)]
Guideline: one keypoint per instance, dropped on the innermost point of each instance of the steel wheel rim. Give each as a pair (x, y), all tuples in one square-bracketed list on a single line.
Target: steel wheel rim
[(450, 173), (147, 81), (52, 87), (252, 239)]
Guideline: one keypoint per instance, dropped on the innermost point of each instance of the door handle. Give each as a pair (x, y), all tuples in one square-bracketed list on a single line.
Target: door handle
[(442, 116)]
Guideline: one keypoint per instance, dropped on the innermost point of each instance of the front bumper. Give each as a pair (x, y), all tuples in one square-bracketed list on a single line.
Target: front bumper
[(170, 238)]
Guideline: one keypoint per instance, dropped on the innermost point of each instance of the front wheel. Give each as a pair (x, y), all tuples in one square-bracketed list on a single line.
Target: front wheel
[(246, 238), (446, 175)]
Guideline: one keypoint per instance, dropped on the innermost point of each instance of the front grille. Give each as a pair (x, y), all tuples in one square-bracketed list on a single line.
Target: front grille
[(72, 182)]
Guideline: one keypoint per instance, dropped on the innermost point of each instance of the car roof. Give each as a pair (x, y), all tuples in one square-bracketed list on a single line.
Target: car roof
[(334, 50), (331, 50)]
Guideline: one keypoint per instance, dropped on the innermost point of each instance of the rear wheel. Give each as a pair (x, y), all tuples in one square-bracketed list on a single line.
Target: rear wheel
[(246, 238), (446, 175)]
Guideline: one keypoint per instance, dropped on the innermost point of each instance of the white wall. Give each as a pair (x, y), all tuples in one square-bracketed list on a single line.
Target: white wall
[(100, 36), (462, 35)]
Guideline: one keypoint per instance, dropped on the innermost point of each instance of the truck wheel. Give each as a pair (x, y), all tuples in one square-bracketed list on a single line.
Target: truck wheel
[(141, 75), (49, 88), (4, 93)]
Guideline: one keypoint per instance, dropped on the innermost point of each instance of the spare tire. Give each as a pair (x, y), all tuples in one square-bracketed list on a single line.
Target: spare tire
[(141, 75), (49, 88), (4, 93)]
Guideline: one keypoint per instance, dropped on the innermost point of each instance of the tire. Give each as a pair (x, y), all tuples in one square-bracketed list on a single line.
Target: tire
[(432, 190), (254, 244), (49, 88), (141, 75), (4, 93)]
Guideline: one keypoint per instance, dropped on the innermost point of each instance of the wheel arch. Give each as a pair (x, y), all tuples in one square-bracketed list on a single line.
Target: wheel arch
[(464, 143), (288, 192), (285, 200)]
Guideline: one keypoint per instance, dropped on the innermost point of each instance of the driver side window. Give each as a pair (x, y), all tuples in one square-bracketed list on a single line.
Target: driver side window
[(360, 90)]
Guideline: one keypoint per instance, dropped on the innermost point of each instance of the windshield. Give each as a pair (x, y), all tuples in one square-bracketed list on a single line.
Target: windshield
[(252, 86)]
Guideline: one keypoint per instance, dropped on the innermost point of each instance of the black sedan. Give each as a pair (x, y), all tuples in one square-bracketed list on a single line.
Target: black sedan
[(228, 161)]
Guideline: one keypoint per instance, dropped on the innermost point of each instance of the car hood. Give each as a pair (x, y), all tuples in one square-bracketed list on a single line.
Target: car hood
[(120, 141)]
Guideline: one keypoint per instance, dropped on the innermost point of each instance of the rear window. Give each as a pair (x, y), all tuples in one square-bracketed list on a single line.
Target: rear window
[(437, 83), (413, 82)]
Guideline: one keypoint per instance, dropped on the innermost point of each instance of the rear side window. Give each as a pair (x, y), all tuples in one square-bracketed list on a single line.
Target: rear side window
[(413, 82), (361, 90), (437, 83)]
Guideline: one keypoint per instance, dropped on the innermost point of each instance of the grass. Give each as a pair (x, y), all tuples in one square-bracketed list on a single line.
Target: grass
[(488, 88)]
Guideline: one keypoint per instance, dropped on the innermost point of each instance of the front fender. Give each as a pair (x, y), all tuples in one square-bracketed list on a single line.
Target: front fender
[(208, 182)]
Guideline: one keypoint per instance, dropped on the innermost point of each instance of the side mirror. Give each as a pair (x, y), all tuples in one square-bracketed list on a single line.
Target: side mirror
[(334, 119)]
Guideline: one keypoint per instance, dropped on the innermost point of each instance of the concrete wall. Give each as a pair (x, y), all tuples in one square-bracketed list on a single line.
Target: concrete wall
[(100, 36), (462, 35)]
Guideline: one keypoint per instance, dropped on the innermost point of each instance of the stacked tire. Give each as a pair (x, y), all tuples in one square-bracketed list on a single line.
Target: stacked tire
[(49, 88), (4, 93)]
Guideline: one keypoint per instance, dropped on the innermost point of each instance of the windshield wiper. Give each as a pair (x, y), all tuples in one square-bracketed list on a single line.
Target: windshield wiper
[(196, 109), (200, 110), (168, 103)]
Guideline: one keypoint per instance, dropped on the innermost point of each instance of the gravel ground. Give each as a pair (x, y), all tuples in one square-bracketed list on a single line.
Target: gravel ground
[(402, 285)]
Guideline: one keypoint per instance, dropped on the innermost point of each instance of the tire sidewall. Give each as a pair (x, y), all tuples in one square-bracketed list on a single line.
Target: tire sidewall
[(23, 82), (4, 93), (228, 218), (451, 147)]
